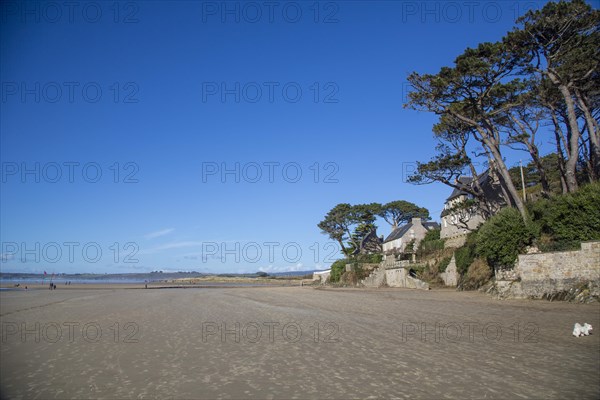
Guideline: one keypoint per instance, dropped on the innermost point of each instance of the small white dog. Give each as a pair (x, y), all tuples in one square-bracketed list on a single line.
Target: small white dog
[(584, 330)]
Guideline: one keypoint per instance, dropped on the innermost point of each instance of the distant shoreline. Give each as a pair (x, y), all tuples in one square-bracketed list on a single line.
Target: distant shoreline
[(183, 283)]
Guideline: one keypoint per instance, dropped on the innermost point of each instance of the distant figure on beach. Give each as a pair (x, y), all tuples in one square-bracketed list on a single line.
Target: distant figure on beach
[(54, 286), (50, 285), (25, 287), (146, 286)]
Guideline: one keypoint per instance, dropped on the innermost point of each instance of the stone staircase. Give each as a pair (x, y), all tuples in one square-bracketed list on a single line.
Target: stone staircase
[(393, 274)]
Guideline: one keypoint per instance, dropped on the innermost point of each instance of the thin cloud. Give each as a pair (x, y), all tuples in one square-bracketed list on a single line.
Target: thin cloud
[(173, 245), (286, 268), (160, 233)]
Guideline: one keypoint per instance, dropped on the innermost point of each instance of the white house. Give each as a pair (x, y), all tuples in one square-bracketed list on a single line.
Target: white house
[(457, 222), (415, 231)]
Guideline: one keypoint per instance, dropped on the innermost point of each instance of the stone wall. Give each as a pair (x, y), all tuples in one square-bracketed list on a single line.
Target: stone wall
[(579, 264), (543, 274), (363, 266), (321, 276), (455, 241), (394, 274), (399, 277), (450, 276), (376, 279)]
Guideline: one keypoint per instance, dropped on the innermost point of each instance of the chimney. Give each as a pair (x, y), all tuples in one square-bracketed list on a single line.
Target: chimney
[(416, 221)]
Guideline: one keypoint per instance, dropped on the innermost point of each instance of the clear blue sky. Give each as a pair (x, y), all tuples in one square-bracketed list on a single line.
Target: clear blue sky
[(162, 117)]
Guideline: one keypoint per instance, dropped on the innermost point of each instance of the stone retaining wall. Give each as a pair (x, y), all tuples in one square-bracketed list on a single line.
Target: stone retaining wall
[(544, 274), (455, 241), (399, 277), (321, 276), (394, 274), (376, 279)]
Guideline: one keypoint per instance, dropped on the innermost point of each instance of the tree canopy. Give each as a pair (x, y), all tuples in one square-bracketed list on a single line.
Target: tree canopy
[(349, 224), (539, 82), (399, 212)]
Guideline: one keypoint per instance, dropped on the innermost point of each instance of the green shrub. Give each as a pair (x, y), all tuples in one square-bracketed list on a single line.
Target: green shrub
[(477, 275), (466, 254), (443, 264), (355, 275), (503, 237), (432, 235), (337, 269), (368, 258), (410, 247), (426, 248), (567, 220)]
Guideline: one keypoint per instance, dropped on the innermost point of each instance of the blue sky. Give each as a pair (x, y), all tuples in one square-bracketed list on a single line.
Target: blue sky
[(117, 124)]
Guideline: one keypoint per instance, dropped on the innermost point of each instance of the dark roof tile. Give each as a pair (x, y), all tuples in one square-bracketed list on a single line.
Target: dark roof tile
[(398, 232)]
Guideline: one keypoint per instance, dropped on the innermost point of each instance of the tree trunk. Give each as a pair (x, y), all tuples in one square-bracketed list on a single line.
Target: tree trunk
[(535, 156), (527, 137), (592, 128), (489, 139), (571, 164), (559, 137), (484, 205), (505, 177), (587, 159)]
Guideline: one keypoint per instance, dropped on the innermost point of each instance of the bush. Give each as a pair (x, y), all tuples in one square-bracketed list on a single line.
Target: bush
[(355, 275), (430, 247), (466, 254), (431, 275), (567, 220), (430, 244), (443, 264), (478, 274), (337, 269), (368, 258), (432, 235), (410, 247), (503, 237)]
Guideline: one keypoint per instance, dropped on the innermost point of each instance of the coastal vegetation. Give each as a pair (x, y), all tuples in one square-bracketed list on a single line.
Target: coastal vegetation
[(357, 271), (349, 224), (559, 223), (538, 83)]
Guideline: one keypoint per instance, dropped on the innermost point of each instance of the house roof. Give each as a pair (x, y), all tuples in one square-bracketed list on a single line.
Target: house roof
[(398, 232), (431, 225), (463, 180), (401, 231), (468, 181)]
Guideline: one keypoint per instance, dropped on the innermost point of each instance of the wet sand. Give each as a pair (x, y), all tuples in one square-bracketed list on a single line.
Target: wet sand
[(292, 342)]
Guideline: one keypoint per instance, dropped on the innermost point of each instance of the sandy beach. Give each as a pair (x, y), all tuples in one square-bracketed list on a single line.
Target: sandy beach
[(292, 342)]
